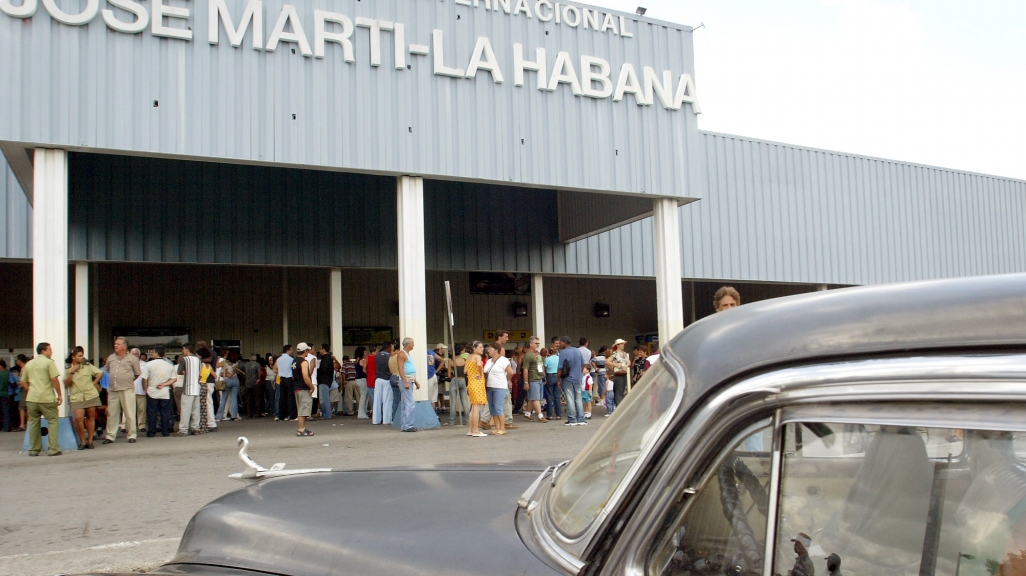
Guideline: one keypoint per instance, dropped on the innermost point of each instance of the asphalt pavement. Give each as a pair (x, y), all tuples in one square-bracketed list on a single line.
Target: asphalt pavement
[(123, 507)]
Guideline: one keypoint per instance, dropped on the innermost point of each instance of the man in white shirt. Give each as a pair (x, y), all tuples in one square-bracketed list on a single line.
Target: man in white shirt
[(140, 392), (189, 366), (158, 379)]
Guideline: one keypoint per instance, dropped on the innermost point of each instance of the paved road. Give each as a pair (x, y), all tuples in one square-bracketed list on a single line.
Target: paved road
[(124, 506)]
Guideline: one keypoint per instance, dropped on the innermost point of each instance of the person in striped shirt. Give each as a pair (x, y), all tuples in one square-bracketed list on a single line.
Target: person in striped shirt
[(189, 367)]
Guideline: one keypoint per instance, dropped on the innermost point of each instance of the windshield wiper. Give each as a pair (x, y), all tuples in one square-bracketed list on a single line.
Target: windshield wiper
[(556, 469)]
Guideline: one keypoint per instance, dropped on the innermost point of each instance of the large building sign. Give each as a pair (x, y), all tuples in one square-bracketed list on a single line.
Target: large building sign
[(594, 80), (510, 78)]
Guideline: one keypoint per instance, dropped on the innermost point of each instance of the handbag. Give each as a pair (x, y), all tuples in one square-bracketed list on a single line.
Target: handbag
[(221, 385)]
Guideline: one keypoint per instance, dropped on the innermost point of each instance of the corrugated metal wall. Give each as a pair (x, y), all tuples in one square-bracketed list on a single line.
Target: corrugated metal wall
[(214, 302), (781, 213), (569, 308), (775, 213), (16, 221), (16, 311), (245, 303), (86, 86), (124, 208)]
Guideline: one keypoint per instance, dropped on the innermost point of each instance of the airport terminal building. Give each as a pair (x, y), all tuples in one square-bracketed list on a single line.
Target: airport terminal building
[(259, 172)]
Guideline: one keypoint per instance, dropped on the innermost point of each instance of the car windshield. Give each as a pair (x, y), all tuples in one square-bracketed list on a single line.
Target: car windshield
[(594, 476)]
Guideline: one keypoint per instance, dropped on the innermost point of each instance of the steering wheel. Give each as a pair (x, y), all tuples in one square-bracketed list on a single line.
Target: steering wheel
[(732, 472), (749, 561)]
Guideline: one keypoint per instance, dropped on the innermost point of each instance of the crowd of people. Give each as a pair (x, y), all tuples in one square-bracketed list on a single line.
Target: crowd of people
[(132, 391)]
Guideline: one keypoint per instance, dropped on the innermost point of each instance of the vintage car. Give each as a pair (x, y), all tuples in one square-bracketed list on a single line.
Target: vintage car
[(876, 430)]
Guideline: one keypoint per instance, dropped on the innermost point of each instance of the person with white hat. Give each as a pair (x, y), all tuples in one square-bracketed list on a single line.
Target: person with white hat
[(620, 366), (306, 385)]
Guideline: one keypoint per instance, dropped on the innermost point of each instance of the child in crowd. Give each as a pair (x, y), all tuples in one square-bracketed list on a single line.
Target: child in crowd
[(587, 381), (610, 399)]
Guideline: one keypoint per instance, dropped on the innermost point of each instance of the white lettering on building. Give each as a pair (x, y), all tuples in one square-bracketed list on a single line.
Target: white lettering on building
[(594, 78)]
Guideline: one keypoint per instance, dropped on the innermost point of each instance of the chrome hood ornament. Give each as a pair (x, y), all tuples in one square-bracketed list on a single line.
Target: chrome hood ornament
[(256, 472)]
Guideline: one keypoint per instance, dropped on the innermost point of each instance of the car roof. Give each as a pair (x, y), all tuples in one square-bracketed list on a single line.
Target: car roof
[(955, 315)]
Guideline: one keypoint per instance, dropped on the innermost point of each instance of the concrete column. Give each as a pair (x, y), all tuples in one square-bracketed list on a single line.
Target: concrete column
[(50, 314), (821, 288), (669, 291), (538, 308), (336, 312), (82, 307), (413, 274)]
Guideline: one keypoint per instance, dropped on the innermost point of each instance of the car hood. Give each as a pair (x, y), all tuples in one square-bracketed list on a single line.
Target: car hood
[(453, 520)]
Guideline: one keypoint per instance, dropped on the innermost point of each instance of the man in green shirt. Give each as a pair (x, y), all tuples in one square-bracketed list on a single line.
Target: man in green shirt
[(534, 376), (44, 395)]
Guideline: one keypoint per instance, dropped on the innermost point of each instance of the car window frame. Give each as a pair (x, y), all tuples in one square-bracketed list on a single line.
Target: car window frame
[(686, 458)]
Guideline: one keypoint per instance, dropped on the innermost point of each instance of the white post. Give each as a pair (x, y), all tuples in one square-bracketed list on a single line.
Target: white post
[(82, 307), (413, 274), (669, 292), (336, 312), (821, 288), (538, 308), (284, 305), (50, 318)]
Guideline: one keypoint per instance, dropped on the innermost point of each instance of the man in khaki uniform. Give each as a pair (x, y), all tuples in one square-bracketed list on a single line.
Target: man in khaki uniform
[(44, 395), (123, 369)]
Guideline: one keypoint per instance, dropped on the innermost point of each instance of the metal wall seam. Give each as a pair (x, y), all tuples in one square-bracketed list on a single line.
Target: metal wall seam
[(16, 236)]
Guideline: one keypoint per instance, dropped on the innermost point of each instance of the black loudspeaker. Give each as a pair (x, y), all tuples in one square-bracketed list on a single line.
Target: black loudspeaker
[(601, 310), (519, 309)]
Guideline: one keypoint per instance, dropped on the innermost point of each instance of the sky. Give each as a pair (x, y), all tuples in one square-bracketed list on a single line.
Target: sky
[(937, 82)]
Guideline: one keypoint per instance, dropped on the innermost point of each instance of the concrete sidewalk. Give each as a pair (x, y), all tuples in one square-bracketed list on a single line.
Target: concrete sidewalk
[(124, 506)]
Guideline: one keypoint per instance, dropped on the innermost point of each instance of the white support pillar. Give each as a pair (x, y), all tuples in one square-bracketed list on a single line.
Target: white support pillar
[(538, 308), (821, 288), (82, 307), (336, 312), (50, 314), (669, 291), (413, 274)]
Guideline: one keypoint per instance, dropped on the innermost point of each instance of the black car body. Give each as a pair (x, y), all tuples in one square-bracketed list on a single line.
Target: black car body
[(881, 424)]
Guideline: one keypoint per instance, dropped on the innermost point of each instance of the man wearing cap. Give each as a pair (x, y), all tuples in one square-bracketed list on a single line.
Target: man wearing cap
[(619, 366), (534, 376), (802, 564), (305, 386)]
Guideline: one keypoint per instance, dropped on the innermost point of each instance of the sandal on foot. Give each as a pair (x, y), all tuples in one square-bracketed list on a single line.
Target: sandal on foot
[(306, 432)]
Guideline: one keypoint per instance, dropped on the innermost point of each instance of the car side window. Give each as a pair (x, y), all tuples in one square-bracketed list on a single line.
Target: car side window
[(723, 530), (870, 499)]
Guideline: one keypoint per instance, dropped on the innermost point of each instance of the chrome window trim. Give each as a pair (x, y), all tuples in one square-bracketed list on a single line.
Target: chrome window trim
[(931, 378), (774, 493), (886, 415)]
